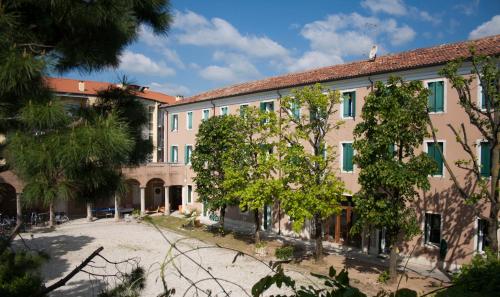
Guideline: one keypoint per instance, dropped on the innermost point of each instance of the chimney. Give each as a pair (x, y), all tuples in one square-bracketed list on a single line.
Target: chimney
[(81, 86), (179, 97)]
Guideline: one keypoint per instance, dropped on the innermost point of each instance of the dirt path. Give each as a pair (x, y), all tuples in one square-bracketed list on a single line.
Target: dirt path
[(69, 244)]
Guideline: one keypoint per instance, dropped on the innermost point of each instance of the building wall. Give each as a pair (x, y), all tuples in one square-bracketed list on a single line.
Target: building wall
[(457, 219)]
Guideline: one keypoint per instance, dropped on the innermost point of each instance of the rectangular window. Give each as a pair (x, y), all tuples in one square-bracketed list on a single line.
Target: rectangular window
[(206, 114), (485, 159), (484, 99), (188, 151), (433, 152), (189, 119), (243, 107), (151, 112), (482, 235), (190, 194), (295, 109), (347, 154), (432, 228), (267, 106), (349, 104), (224, 110), (174, 122), (174, 151), (436, 97)]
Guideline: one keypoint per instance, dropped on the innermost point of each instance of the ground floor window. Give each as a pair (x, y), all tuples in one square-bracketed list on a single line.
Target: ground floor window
[(190, 194), (432, 228), (482, 235)]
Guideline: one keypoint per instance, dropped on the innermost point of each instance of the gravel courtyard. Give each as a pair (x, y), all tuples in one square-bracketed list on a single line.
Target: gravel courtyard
[(71, 243)]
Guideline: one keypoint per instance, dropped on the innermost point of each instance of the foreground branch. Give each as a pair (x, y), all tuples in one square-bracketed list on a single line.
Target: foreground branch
[(65, 279)]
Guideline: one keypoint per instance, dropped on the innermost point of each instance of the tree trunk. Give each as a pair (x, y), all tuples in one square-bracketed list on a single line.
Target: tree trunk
[(493, 227), (117, 208), (257, 226), (393, 263), (19, 209), (52, 217), (222, 216), (89, 212), (319, 238)]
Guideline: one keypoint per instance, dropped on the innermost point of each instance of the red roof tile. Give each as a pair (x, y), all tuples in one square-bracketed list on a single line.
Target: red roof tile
[(417, 58), (70, 86)]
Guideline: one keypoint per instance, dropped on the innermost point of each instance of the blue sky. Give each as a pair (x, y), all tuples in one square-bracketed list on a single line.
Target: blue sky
[(220, 42)]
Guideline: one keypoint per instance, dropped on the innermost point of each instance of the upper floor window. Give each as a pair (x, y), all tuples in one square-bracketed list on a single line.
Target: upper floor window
[(347, 157), (205, 114), (188, 152), (433, 152), (267, 106), (189, 119), (174, 122), (432, 232), (485, 158), (243, 107), (174, 154), (436, 97), (151, 112), (349, 104), (224, 110), (295, 109)]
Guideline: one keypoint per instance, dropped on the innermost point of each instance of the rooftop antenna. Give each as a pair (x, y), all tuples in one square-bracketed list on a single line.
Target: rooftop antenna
[(373, 53)]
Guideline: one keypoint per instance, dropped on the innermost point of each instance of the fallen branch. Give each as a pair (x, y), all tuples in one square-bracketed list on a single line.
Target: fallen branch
[(65, 279)]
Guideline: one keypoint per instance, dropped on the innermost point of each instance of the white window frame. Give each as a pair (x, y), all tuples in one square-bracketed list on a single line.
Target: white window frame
[(177, 154), (476, 235), (187, 120), (222, 107), (445, 93), (203, 114), (341, 159), (176, 128), (192, 148), (426, 150), (267, 101), (342, 104), (431, 244)]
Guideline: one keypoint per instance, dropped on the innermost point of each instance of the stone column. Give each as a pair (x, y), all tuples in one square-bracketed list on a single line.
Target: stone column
[(117, 207), (167, 202), (184, 195), (143, 200), (89, 211), (19, 209)]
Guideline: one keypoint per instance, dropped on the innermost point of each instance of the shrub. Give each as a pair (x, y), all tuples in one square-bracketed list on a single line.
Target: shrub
[(284, 253), (383, 277), (480, 278)]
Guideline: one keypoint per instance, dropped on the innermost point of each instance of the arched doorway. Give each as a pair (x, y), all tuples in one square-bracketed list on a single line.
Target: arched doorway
[(7, 199), (133, 197), (155, 194)]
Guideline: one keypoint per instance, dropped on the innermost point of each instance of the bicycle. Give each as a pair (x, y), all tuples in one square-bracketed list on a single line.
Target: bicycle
[(61, 218)]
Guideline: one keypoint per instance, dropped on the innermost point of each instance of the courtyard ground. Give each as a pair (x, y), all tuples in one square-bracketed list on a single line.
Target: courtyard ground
[(71, 243)]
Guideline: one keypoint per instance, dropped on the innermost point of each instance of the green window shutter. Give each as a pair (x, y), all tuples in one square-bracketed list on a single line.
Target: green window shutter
[(433, 152), (171, 122), (295, 110), (346, 104), (353, 97), (186, 154), (432, 97), (347, 157), (484, 99), (392, 150), (439, 96), (485, 159), (263, 106), (171, 154)]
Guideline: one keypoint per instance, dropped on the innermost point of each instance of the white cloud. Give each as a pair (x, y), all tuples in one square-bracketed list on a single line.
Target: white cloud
[(342, 35), (491, 27), (195, 29), (394, 7), (468, 8), (139, 63), (159, 44), (171, 89), (237, 68), (173, 57)]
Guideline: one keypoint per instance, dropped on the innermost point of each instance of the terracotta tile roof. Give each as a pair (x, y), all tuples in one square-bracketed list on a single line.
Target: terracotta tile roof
[(417, 58), (71, 86)]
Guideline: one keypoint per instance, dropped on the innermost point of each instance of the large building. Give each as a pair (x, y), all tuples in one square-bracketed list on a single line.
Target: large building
[(440, 211), (167, 180)]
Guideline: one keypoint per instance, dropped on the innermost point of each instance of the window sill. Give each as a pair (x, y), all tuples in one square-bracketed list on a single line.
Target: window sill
[(348, 172), (437, 112), (431, 245), (347, 118)]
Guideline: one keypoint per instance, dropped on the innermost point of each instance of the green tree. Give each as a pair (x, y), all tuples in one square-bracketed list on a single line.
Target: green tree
[(50, 149), (484, 115), (312, 191), (251, 171), (215, 138), (393, 126)]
